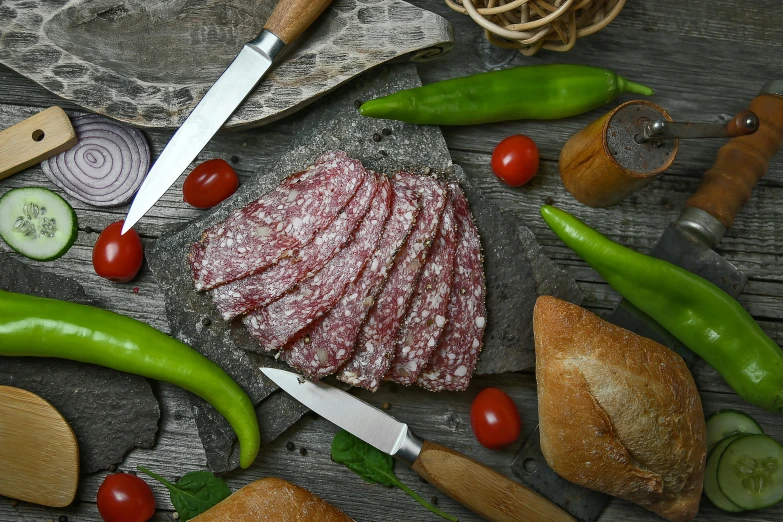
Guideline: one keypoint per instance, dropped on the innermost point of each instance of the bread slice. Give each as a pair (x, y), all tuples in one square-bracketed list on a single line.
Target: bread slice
[(618, 412), (273, 500)]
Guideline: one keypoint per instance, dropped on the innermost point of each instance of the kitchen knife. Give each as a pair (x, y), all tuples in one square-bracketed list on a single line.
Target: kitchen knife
[(289, 19), (475, 486), (688, 243)]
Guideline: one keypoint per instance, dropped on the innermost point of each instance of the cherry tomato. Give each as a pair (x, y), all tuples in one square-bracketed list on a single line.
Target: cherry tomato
[(515, 160), (125, 498), (117, 257), (210, 183), (495, 419)]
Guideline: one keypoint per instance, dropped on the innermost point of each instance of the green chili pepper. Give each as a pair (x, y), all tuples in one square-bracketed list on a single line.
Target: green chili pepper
[(535, 92), (38, 327), (699, 314)]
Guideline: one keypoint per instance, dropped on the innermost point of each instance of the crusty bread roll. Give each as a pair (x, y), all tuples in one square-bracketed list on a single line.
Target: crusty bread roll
[(618, 412), (273, 500)]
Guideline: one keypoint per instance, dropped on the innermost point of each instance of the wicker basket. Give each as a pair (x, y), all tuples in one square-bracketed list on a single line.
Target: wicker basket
[(530, 25)]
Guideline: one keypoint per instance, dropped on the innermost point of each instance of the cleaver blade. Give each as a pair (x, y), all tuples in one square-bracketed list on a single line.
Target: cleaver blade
[(688, 243)]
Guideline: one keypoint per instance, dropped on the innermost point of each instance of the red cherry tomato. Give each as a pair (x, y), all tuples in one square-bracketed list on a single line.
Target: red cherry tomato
[(117, 257), (495, 419), (210, 183), (125, 498), (515, 160)]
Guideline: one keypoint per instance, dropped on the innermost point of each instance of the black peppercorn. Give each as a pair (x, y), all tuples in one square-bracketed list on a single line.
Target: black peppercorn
[(234, 159), (434, 501), (376, 137), (206, 321), (62, 518), (386, 132), (290, 446), (303, 452), (549, 200), (357, 103)]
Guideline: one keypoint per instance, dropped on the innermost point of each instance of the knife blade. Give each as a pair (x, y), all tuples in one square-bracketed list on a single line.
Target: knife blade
[(477, 487), (687, 242), (288, 20)]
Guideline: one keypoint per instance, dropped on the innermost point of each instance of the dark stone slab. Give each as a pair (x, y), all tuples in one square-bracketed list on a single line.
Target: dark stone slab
[(110, 412), (334, 123)]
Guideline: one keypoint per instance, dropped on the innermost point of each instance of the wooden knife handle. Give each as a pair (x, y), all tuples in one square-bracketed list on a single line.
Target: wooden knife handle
[(483, 490), (727, 186), (291, 17), (35, 139)]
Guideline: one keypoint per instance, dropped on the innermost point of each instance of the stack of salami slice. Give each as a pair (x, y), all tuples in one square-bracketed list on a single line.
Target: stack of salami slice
[(343, 271)]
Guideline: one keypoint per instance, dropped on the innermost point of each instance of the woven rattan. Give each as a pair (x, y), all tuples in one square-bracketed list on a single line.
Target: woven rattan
[(531, 25)]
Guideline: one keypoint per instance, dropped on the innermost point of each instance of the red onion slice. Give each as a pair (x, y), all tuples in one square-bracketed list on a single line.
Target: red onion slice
[(106, 166)]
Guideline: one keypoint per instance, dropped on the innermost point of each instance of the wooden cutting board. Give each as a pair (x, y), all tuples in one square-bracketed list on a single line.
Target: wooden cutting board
[(39, 456), (106, 54)]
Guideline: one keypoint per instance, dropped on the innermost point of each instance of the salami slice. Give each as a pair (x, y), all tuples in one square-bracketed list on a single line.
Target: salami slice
[(276, 324), (325, 345), (427, 314), (375, 344), (270, 228), (239, 297), (453, 361)]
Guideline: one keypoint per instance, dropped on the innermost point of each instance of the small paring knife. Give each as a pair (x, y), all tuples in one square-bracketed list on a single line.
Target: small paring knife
[(474, 485), (289, 19)]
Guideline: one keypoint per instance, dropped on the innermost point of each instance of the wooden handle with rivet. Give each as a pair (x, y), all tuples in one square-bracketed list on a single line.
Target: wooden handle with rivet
[(727, 186), (483, 490), (35, 139), (291, 17)]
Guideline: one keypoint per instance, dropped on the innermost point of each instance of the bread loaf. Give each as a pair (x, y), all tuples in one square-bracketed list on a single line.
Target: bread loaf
[(618, 412), (273, 500)]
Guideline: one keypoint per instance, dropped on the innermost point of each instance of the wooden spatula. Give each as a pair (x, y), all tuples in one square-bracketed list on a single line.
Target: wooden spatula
[(35, 139), (39, 457)]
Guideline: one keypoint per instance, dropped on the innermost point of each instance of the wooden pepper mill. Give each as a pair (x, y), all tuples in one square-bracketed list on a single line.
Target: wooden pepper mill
[(625, 149)]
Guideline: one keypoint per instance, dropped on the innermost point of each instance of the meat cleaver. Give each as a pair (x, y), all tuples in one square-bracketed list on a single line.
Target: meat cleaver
[(688, 243)]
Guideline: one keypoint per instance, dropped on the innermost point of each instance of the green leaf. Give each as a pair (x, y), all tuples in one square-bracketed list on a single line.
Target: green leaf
[(194, 493), (373, 465)]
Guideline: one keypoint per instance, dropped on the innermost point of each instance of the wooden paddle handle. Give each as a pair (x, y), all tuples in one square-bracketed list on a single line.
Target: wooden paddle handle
[(35, 139), (727, 186), (483, 490), (291, 17)]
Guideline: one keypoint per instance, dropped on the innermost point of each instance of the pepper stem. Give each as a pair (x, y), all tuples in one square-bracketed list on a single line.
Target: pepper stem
[(637, 88)]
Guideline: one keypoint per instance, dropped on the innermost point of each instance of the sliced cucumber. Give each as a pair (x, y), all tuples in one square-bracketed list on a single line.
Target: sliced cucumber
[(726, 423), (750, 472), (37, 223), (711, 488)]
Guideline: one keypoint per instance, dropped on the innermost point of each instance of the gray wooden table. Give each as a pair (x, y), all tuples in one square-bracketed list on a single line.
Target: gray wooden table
[(706, 60)]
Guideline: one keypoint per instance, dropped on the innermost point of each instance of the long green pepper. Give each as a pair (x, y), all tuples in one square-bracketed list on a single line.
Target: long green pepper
[(37, 327), (535, 92), (699, 314)]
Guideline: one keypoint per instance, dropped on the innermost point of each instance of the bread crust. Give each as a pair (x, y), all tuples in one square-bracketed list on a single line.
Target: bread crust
[(618, 412), (273, 500)]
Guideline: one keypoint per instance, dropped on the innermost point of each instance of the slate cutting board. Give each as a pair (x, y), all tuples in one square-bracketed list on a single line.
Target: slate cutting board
[(335, 123), (110, 412), (105, 54)]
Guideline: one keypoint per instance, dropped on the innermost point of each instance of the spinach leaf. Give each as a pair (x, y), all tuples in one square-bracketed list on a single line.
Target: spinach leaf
[(373, 465), (194, 493)]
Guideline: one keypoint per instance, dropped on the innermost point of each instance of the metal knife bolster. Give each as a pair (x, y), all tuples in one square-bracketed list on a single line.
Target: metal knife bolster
[(267, 43), (408, 447), (701, 224)]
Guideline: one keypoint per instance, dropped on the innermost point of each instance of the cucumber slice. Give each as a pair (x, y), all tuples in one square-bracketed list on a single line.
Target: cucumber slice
[(37, 223), (726, 423), (750, 472), (711, 488)]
